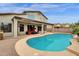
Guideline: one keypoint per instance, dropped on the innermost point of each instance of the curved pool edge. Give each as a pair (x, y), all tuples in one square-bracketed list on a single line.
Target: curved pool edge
[(51, 42), (23, 49), (21, 45)]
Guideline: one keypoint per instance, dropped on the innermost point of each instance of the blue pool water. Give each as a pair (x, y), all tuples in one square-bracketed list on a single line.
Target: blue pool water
[(51, 42)]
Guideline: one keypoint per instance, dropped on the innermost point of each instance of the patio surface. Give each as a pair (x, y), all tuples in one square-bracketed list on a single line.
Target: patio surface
[(7, 46)]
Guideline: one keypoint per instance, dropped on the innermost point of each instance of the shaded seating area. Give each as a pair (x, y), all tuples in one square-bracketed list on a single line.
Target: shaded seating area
[(31, 30)]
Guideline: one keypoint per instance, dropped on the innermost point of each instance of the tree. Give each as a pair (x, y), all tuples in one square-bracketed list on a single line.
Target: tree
[(75, 28)]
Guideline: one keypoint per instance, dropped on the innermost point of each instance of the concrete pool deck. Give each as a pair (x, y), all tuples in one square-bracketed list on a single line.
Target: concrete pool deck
[(74, 48), (7, 47), (23, 49)]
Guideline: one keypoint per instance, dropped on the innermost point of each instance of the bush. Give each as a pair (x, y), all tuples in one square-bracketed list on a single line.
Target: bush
[(75, 30)]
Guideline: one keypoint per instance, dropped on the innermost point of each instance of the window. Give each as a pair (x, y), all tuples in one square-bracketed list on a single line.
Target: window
[(6, 28), (31, 17), (21, 27), (39, 28)]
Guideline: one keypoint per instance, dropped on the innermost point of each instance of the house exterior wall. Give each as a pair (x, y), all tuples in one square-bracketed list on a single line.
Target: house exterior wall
[(37, 16), (6, 19), (42, 18), (49, 28)]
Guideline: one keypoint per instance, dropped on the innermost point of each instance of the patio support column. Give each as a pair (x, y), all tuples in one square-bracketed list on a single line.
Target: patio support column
[(42, 29), (36, 27), (52, 28), (15, 28), (45, 28)]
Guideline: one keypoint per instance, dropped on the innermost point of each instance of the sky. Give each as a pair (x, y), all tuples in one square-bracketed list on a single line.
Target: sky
[(55, 12)]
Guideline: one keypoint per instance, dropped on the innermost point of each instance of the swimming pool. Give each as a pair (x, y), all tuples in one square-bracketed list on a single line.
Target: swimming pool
[(51, 42)]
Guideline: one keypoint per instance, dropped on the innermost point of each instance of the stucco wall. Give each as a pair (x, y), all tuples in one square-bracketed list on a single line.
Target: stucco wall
[(38, 17), (49, 28), (7, 19)]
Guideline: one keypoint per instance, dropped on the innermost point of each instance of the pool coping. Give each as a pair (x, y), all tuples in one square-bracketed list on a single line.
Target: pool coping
[(33, 51), (74, 47)]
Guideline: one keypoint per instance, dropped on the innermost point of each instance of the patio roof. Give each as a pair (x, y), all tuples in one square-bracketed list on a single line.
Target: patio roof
[(26, 20), (12, 14)]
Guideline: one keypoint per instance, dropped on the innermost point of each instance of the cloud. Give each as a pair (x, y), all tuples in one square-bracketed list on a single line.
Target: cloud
[(50, 6), (5, 4), (63, 19), (44, 7), (37, 7), (7, 7)]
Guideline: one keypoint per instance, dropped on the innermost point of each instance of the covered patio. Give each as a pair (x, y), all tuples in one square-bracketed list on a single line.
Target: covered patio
[(41, 27)]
